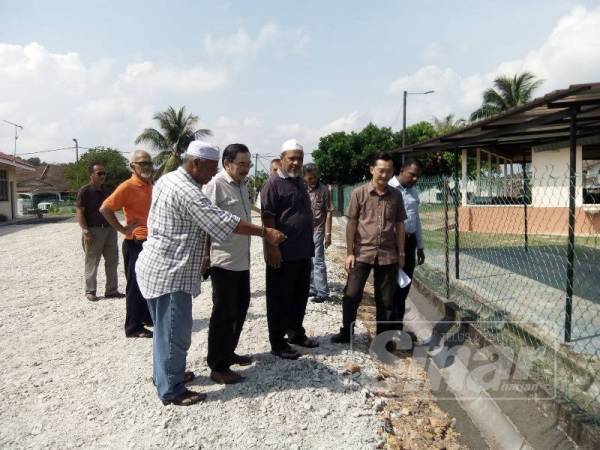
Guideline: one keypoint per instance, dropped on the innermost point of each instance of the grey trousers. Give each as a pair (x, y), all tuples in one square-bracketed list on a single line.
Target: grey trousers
[(104, 243)]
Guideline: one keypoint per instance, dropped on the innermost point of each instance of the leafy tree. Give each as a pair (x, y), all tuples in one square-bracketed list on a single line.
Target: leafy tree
[(255, 183), (177, 130), (115, 163), (508, 92), (447, 124), (35, 161)]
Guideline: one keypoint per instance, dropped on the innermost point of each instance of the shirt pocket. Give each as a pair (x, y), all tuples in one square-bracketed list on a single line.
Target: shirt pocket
[(390, 210)]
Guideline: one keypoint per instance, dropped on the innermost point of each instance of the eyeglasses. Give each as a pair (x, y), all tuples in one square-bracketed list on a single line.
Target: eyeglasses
[(243, 164), (101, 174), (143, 163)]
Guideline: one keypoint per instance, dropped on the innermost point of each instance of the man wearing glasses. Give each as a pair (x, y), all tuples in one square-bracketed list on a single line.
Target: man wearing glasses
[(99, 239), (133, 196), (229, 267)]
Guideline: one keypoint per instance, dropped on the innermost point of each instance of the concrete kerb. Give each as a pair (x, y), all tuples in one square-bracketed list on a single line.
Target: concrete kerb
[(569, 416)]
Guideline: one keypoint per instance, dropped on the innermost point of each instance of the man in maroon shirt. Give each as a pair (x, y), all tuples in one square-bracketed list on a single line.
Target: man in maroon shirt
[(286, 207), (374, 240)]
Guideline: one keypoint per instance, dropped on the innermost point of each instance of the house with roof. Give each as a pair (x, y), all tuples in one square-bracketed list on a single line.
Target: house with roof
[(45, 184), (534, 167), (8, 184)]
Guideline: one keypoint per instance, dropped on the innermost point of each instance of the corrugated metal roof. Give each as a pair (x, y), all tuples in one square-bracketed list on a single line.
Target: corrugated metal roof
[(542, 121)]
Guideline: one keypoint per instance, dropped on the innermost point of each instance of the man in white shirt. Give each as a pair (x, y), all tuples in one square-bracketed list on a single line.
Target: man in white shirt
[(229, 267), (169, 267), (405, 182)]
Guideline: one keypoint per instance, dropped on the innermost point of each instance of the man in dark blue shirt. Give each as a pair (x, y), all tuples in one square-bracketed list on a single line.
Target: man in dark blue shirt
[(286, 207)]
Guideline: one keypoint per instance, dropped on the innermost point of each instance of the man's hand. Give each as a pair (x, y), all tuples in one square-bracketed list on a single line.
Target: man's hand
[(274, 237), (327, 240), (420, 256), (87, 236), (128, 229), (401, 260), (350, 263), (273, 256)]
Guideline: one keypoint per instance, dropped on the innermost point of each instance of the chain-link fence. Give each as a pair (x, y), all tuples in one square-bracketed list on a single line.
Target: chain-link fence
[(500, 249)]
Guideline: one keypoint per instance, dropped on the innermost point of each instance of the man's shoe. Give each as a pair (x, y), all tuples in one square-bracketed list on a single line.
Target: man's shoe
[(286, 352), (186, 399), (116, 294), (319, 299), (143, 333), (343, 337), (241, 360), (304, 341), (225, 377), (91, 296)]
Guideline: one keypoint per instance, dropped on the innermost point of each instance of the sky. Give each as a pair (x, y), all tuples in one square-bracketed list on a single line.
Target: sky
[(263, 72)]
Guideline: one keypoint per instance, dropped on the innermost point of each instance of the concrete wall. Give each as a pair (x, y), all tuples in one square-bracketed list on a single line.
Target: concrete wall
[(6, 206), (511, 220), (550, 178)]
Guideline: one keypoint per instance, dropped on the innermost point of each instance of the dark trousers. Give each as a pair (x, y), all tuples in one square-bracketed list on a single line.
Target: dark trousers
[(384, 278), (231, 299), (401, 294), (136, 306), (287, 295)]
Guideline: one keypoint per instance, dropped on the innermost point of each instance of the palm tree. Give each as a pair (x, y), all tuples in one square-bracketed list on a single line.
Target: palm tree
[(509, 92), (177, 131), (447, 124)]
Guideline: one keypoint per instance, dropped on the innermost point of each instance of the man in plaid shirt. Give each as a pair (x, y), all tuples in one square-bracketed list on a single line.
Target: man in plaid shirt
[(169, 266)]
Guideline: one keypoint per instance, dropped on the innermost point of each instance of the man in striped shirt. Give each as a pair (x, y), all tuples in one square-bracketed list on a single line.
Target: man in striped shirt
[(169, 266)]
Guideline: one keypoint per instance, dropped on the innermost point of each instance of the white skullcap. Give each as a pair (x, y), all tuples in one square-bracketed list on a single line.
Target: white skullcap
[(204, 150), (291, 144)]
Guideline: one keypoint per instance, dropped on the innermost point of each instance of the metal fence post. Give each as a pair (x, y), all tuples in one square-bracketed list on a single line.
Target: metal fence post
[(571, 239), (525, 200), (445, 189), (456, 230)]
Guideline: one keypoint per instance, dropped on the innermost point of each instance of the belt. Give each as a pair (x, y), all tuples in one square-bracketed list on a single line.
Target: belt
[(100, 226), (410, 235)]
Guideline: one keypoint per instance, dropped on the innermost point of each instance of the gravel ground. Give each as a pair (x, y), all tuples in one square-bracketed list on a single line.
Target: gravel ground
[(69, 377)]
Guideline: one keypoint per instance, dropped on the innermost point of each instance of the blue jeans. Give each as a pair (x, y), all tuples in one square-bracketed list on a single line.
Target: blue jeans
[(318, 274), (172, 317)]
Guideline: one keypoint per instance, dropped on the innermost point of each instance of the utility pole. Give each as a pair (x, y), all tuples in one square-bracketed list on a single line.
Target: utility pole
[(406, 94), (17, 126), (255, 172), (76, 150), (76, 160)]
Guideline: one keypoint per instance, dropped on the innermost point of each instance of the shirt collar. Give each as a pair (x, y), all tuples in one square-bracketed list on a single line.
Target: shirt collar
[(188, 177), (282, 173), (138, 181), (372, 189), (230, 180)]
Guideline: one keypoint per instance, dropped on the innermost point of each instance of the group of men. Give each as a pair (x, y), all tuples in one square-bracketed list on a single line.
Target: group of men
[(195, 223)]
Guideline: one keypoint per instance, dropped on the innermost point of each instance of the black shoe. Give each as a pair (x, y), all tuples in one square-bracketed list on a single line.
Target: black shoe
[(304, 341), (319, 299), (241, 360), (343, 337), (286, 352), (115, 294), (91, 296)]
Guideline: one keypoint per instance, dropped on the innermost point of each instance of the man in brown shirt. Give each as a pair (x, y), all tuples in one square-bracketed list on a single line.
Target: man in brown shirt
[(320, 202), (374, 240)]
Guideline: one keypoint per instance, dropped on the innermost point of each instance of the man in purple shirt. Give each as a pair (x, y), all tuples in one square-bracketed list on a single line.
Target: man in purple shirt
[(286, 207)]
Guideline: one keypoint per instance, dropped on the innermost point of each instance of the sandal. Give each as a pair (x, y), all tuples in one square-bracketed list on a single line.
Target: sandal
[(188, 398)]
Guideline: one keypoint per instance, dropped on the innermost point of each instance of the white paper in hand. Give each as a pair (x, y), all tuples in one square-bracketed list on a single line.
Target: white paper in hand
[(403, 279)]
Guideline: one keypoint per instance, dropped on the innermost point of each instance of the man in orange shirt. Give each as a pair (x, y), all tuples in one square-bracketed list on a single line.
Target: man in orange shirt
[(133, 196)]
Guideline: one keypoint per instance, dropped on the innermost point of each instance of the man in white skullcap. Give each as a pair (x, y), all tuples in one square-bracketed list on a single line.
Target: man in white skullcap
[(169, 267), (285, 205)]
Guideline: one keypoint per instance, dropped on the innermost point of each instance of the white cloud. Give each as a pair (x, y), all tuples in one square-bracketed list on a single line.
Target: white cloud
[(189, 80), (57, 96), (570, 55), (270, 37)]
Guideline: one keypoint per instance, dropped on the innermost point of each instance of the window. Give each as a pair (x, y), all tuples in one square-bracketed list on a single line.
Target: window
[(3, 186)]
